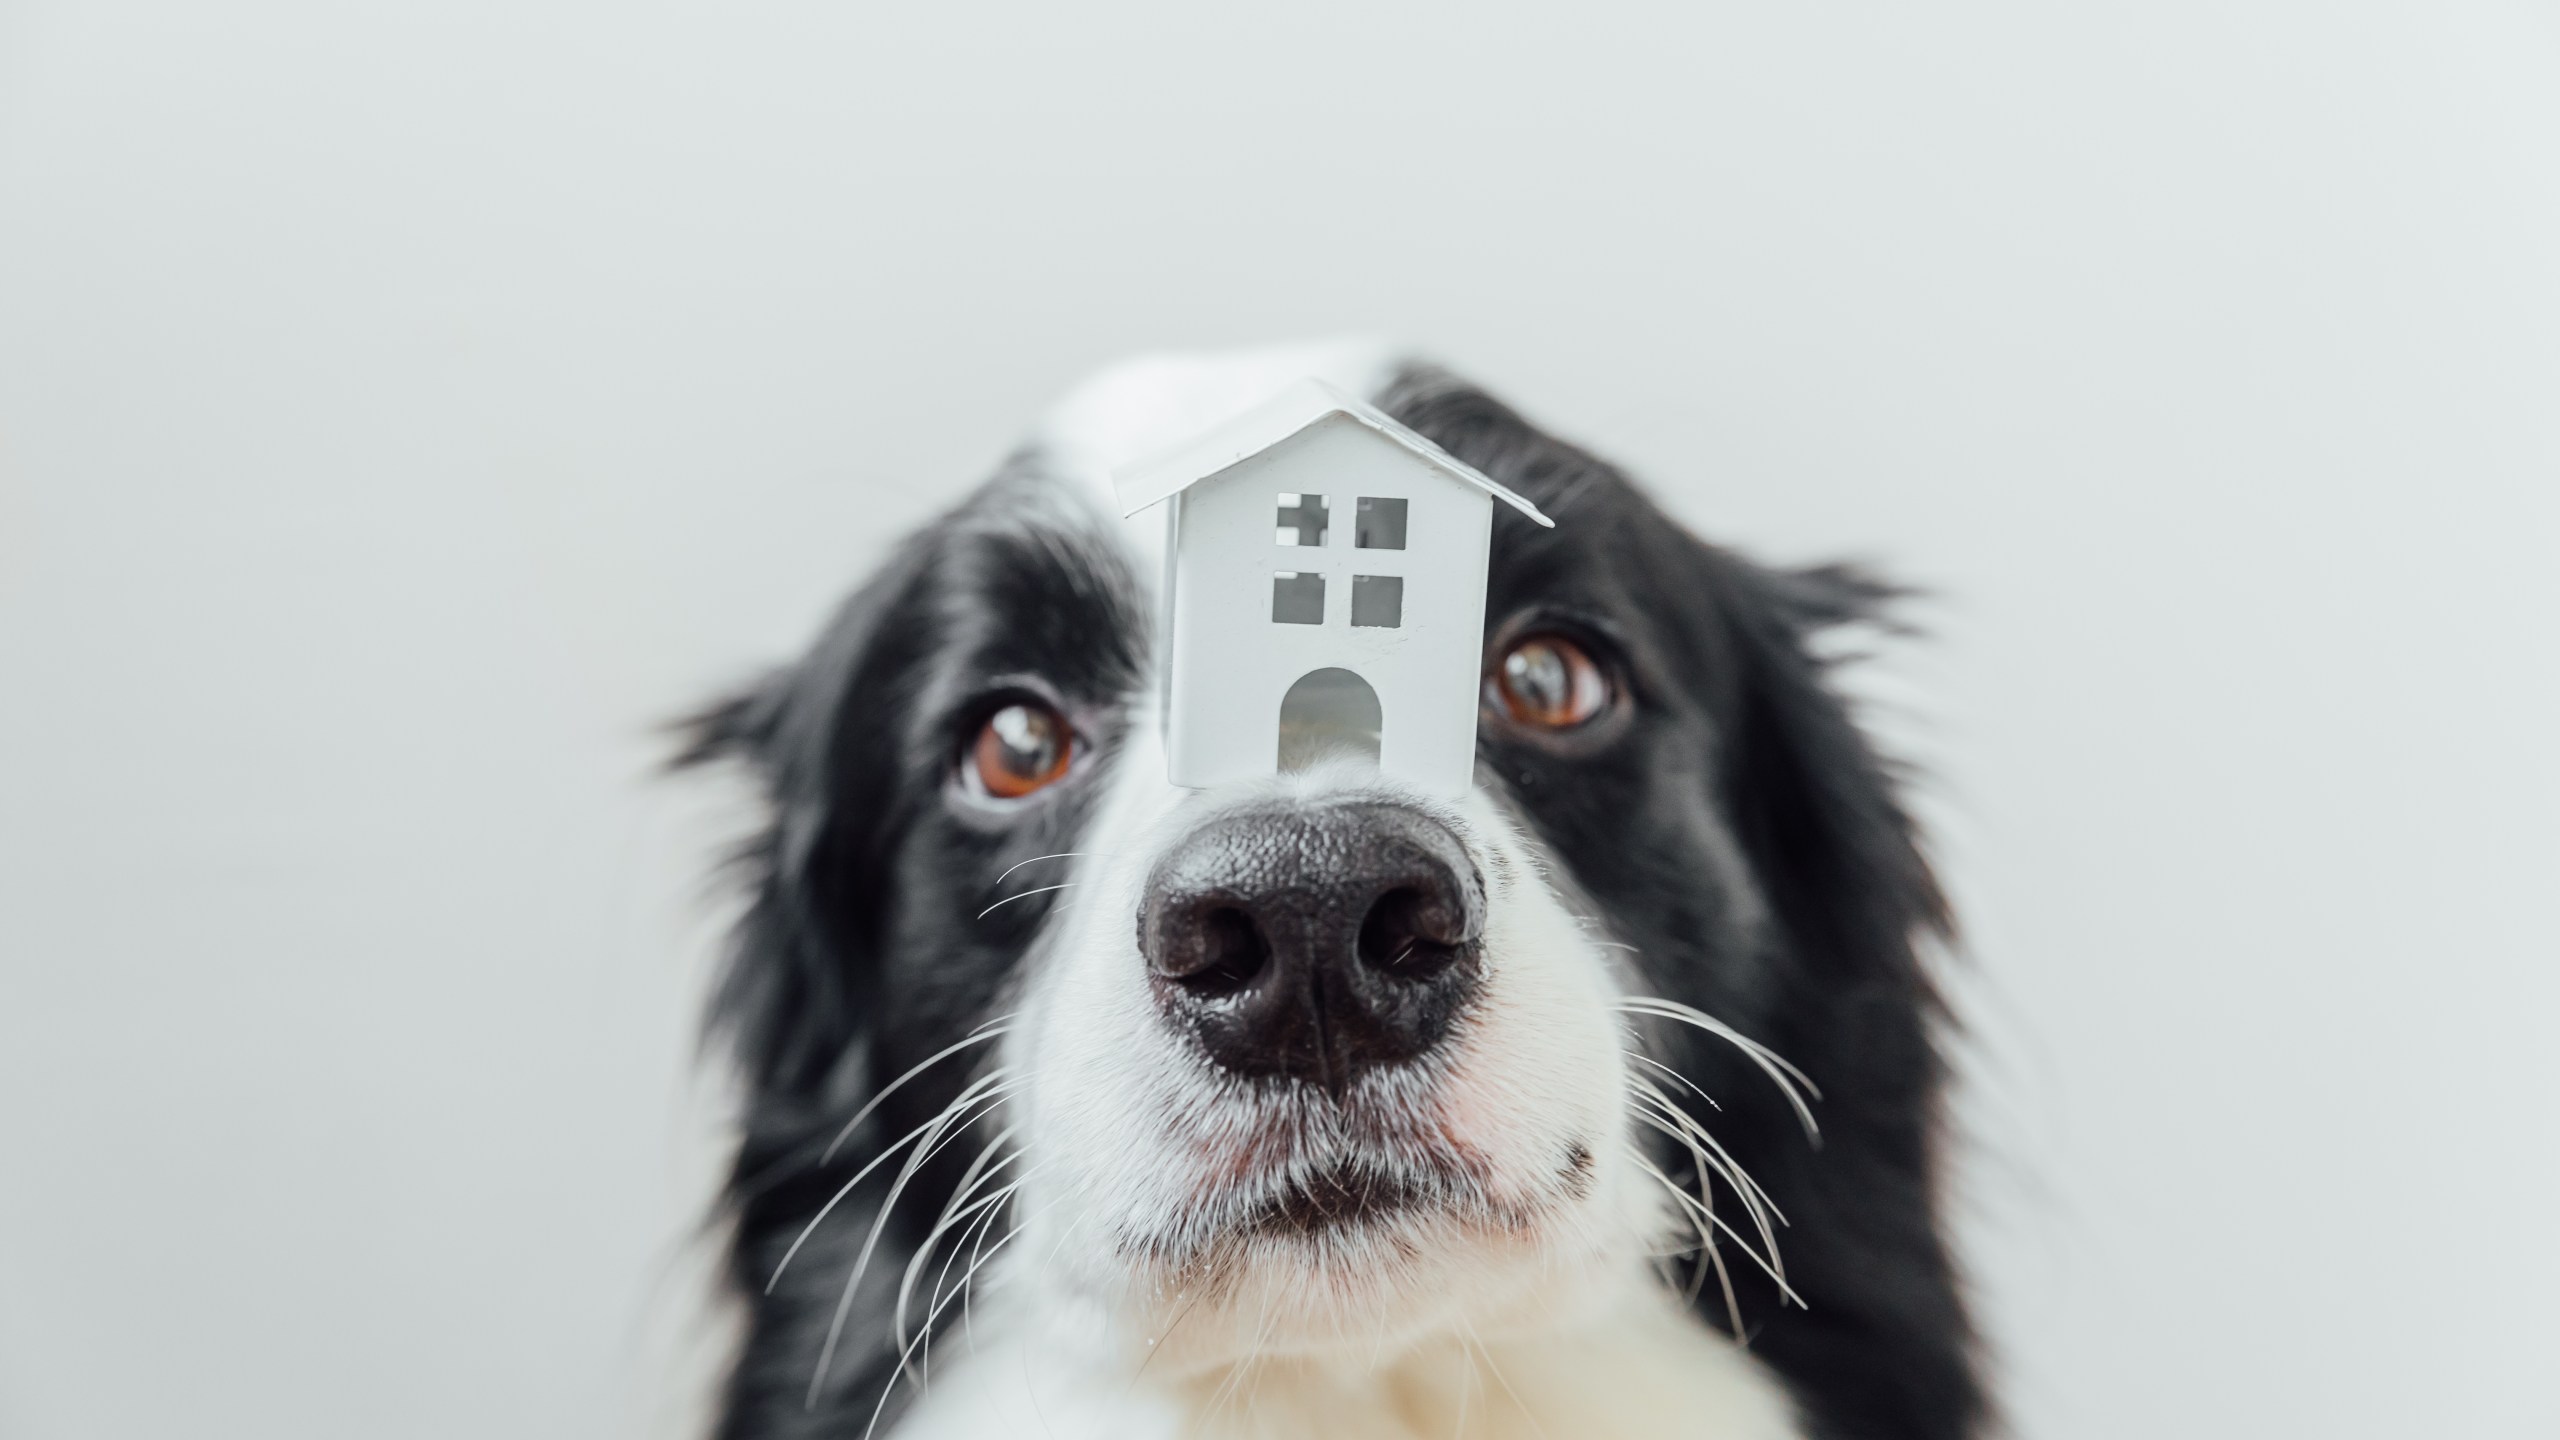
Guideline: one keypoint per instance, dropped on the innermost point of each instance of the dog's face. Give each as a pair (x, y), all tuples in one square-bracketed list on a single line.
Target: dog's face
[(1319, 1061), (1316, 1062)]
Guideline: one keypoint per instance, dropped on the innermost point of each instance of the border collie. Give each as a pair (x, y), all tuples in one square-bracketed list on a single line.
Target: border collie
[(1601, 1101)]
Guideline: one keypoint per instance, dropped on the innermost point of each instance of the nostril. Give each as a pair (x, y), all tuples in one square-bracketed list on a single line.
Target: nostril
[(1314, 943), (1231, 953), (1410, 935)]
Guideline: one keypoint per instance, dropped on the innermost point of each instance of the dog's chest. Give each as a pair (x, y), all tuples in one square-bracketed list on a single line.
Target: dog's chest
[(1644, 1374)]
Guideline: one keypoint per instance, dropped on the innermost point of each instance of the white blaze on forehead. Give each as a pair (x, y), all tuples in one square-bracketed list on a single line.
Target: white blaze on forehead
[(1149, 404)]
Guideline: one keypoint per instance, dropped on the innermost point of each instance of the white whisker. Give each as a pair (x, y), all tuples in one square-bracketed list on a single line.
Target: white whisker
[(1710, 1255), (978, 1173), (1726, 1165), (928, 1127), (1034, 860), (984, 1211), (1705, 1249), (1684, 1081), (885, 1390), (982, 1227), (1023, 895), (1708, 1214), (1706, 1166), (979, 1036), (916, 1158), (1785, 1075)]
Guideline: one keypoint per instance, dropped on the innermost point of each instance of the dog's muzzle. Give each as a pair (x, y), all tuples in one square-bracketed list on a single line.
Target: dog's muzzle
[(1315, 943)]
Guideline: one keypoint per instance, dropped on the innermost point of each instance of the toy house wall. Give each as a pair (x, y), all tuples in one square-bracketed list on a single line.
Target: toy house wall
[(1232, 664)]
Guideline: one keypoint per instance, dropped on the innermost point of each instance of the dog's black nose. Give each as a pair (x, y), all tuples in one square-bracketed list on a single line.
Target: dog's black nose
[(1315, 942)]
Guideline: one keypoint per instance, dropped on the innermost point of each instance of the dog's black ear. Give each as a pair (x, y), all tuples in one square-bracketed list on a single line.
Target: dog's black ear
[(1818, 597), (1819, 807), (735, 727), (793, 997)]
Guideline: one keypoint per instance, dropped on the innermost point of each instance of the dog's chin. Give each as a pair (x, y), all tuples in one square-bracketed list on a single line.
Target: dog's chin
[(1363, 1286), (1345, 1205), (1363, 1253)]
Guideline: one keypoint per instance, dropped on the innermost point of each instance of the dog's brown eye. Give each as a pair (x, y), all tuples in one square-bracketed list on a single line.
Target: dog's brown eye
[(1021, 748), (1548, 682)]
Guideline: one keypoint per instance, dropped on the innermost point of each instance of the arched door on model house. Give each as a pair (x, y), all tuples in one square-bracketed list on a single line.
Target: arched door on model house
[(1329, 714)]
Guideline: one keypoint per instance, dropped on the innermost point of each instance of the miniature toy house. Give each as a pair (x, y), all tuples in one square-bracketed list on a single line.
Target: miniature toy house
[(1323, 593)]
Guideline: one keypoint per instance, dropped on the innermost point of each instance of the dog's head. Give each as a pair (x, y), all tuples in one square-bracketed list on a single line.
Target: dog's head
[(1320, 1061)]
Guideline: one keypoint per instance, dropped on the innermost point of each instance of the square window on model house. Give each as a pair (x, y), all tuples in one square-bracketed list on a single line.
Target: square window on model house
[(1302, 519), (1297, 598), (1377, 600), (1378, 524)]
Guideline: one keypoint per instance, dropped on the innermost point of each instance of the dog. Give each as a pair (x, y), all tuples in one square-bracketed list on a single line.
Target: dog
[(1600, 1101)]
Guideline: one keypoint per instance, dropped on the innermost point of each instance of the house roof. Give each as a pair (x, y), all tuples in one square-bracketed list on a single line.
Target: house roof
[(1144, 483)]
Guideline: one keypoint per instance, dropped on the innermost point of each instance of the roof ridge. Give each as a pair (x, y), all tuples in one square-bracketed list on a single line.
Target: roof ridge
[(1296, 407)]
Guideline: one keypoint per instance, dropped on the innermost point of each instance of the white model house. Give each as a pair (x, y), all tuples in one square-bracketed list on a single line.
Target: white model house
[(1323, 593)]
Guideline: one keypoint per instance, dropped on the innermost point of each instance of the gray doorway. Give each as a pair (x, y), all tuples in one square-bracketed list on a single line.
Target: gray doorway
[(1330, 714)]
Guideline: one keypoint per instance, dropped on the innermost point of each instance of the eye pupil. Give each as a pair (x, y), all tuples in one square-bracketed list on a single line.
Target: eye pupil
[(1024, 738), (1548, 682), (1538, 676), (1021, 748)]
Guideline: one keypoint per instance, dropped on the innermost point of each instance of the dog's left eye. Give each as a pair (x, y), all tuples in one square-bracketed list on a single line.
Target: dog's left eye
[(1022, 748)]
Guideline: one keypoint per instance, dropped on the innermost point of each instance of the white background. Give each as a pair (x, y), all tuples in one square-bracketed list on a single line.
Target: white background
[(402, 408)]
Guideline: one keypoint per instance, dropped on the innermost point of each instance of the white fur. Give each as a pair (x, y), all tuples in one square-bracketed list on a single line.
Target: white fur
[(1641, 1370), (1126, 1305), (1148, 404)]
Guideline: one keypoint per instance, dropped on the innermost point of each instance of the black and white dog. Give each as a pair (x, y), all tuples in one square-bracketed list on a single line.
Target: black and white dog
[(1600, 1102)]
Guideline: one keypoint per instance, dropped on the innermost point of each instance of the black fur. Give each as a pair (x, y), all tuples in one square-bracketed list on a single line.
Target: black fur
[(858, 956), (1736, 828), (1739, 748)]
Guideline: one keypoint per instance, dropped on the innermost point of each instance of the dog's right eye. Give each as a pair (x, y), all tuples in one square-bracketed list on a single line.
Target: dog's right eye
[(1548, 683), (1020, 749)]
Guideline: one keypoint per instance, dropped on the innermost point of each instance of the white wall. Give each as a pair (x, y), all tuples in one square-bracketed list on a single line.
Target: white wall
[(401, 408)]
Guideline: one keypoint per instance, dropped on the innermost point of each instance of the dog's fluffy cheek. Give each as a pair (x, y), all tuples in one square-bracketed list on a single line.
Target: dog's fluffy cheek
[(1095, 1059), (1539, 1089)]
